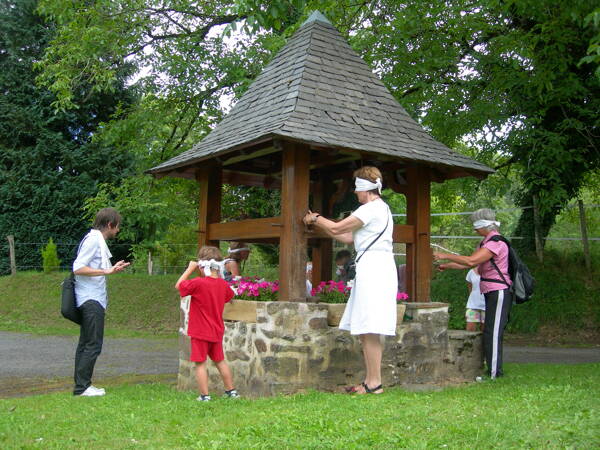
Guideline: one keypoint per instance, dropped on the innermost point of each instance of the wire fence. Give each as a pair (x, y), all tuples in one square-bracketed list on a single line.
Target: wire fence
[(450, 230)]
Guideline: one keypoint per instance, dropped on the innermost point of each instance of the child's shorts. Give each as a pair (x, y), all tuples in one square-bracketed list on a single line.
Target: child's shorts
[(200, 349), (475, 315)]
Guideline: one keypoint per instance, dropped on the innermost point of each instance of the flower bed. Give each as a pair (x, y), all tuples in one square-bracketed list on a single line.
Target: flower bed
[(251, 290), (255, 289)]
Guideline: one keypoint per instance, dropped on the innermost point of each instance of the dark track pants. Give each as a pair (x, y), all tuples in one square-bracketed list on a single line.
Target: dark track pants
[(497, 311), (91, 337)]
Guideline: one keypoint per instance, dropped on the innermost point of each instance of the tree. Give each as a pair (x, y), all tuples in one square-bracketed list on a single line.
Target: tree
[(518, 79), (49, 162)]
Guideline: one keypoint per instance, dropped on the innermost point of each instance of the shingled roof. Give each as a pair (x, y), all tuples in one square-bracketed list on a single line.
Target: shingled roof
[(318, 90)]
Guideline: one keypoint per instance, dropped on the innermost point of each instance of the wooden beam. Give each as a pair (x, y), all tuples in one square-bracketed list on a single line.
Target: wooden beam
[(294, 204), (419, 254), (246, 230), (250, 179), (404, 234), (209, 176), (246, 156)]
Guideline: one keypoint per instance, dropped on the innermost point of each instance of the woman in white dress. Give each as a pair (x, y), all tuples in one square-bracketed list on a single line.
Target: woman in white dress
[(371, 309)]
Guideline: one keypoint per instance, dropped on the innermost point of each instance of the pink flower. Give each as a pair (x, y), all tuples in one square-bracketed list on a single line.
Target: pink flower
[(401, 296)]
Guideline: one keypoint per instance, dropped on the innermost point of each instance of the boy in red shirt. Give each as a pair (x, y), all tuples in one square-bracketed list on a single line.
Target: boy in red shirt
[(205, 325)]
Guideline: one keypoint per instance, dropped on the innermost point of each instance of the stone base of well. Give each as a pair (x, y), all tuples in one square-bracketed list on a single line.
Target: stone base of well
[(291, 348)]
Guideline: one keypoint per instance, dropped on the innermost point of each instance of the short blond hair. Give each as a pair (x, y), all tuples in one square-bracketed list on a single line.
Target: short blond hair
[(370, 173), (208, 252)]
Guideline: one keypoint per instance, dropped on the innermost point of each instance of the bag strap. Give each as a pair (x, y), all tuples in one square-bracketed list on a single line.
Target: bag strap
[(499, 238), (376, 239), (77, 254)]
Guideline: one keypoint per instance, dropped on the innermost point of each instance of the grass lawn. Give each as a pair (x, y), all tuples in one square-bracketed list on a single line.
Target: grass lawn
[(535, 406), (139, 305)]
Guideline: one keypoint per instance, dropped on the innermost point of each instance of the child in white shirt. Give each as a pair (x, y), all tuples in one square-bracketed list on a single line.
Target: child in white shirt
[(475, 313)]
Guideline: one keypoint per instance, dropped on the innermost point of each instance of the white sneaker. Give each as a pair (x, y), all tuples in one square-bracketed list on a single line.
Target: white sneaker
[(92, 391)]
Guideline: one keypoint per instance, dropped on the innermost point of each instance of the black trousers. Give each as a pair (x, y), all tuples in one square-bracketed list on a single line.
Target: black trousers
[(497, 311), (91, 336)]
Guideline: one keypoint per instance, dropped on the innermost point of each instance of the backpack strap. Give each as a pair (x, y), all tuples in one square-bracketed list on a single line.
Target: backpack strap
[(492, 280)]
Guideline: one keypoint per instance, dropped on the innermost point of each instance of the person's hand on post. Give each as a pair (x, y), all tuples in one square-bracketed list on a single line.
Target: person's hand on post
[(308, 218)]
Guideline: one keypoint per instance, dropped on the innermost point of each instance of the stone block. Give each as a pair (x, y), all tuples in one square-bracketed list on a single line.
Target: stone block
[(260, 345), (318, 323)]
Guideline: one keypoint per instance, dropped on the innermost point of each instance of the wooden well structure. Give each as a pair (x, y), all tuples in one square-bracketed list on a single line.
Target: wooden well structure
[(315, 114)]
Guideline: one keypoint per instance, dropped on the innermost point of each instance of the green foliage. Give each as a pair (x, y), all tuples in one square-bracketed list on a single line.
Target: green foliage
[(48, 161), (512, 78), (50, 259), (534, 406), (564, 298)]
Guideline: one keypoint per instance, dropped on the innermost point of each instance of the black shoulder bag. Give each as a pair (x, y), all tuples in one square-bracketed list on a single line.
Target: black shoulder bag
[(350, 266), (68, 303)]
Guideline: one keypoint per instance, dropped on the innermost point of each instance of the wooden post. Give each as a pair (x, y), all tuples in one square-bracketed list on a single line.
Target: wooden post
[(149, 263), (539, 248), (294, 204), (11, 252), (209, 176), (419, 256), (584, 236)]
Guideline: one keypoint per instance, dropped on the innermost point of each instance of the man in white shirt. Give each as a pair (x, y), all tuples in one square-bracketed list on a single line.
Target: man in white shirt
[(90, 268)]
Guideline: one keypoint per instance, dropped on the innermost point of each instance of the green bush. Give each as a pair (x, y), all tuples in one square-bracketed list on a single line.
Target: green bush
[(50, 259)]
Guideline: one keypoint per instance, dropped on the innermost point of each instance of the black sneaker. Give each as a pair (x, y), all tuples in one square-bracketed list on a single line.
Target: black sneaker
[(233, 393), (203, 398)]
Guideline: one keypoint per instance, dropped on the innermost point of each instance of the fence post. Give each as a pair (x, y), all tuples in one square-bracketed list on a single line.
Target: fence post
[(149, 263), (539, 249), (584, 236), (11, 251)]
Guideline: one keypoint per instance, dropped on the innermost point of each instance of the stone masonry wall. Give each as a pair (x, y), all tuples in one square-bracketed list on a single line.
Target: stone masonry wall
[(291, 348)]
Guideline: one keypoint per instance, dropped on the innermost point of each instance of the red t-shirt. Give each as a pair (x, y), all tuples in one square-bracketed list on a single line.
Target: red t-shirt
[(209, 296)]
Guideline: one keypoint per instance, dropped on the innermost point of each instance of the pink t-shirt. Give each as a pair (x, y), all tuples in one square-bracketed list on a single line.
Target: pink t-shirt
[(486, 270)]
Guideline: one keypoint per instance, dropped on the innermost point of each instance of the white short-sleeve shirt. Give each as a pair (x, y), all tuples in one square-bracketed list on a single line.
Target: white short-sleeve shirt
[(476, 298), (90, 288), (374, 215)]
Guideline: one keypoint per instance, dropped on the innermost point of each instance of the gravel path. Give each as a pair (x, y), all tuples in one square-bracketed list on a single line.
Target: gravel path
[(28, 361)]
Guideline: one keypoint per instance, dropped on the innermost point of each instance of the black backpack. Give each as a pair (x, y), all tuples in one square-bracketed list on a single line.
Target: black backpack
[(523, 282)]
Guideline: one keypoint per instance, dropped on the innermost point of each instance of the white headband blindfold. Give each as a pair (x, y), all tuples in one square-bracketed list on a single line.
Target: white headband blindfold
[(484, 224), (365, 185), (237, 250), (211, 264)]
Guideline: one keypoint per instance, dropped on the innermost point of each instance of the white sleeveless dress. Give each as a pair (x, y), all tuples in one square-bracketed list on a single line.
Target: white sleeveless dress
[(372, 304)]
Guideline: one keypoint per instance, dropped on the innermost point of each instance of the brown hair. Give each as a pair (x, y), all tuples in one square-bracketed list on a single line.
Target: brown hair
[(370, 173), (107, 216), (208, 252)]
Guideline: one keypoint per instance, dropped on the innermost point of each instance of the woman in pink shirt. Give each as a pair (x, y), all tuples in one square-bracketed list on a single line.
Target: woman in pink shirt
[(491, 259)]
